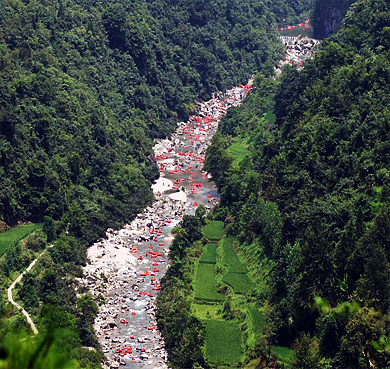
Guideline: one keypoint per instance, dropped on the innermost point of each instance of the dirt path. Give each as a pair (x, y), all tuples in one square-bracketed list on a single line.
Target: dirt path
[(11, 300)]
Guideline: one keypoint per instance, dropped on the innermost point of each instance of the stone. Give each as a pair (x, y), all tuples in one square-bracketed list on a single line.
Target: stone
[(144, 356), (111, 322)]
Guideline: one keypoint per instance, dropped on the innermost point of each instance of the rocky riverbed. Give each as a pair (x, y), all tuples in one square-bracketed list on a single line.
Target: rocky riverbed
[(298, 49), (125, 268)]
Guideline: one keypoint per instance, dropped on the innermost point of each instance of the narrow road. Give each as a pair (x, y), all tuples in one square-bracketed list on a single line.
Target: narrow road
[(11, 300)]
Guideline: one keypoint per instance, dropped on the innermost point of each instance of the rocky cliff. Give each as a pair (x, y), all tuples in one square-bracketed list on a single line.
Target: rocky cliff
[(328, 15)]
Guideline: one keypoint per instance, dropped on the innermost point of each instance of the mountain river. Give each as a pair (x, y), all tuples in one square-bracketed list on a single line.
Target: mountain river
[(124, 269)]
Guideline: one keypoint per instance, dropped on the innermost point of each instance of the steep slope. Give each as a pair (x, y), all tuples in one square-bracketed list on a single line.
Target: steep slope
[(328, 15), (312, 194), (85, 87)]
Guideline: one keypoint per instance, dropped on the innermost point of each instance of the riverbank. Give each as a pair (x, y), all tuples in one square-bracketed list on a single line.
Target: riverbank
[(124, 269)]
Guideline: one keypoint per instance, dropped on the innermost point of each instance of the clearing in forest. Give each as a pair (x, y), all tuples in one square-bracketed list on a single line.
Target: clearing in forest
[(239, 282), (223, 342), (213, 231), (10, 237), (285, 355), (209, 254), (205, 284), (270, 116), (257, 320), (230, 258), (239, 148)]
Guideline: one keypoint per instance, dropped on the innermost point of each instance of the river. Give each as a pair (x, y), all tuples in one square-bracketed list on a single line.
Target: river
[(124, 269)]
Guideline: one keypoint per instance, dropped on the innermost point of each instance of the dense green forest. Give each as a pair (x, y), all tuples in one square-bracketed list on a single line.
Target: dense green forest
[(85, 87), (308, 206)]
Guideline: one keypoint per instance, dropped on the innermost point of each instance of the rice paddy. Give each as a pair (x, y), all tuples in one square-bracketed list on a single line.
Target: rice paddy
[(257, 320), (209, 254), (8, 238), (284, 354), (223, 342), (239, 282), (230, 258), (205, 284), (213, 231)]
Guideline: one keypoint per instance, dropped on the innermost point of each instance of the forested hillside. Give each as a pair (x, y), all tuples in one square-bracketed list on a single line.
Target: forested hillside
[(311, 198), (85, 87), (290, 11)]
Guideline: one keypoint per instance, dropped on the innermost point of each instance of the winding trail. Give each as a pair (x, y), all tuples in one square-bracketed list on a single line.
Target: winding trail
[(16, 281)]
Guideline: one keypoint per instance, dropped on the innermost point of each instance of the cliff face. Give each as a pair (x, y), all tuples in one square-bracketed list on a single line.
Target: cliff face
[(327, 16)]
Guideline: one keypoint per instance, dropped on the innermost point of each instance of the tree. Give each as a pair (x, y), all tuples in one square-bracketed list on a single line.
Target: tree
[(200, 212), (28, 291), (192, 225), (48, 286), (306, 353), (180, 243), (86, 313), (218, 160), (49, 228), (331, 328), (356, 350)]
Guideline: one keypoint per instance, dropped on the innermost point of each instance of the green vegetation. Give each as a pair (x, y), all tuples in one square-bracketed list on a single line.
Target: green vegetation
[(223, 342), (239, 282), (230, 258), (270, 116), (290, 12), (14, 235), (239, 149), (209, 254), (204, 312), (307, 211), (25, 352), (284, 354), (257, 321), (86, 86), (205, 283), (213, 230), (311, 200)]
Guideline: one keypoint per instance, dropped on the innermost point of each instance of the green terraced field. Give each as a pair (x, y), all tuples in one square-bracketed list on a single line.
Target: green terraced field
[(223, 342), (284, 354), (258, 321), (230, 258), (8, 238), (239, 150), (239, 282), (209, 254), (213, 231), (205, 284), (204, 312)]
